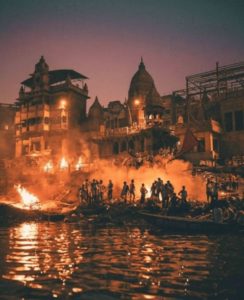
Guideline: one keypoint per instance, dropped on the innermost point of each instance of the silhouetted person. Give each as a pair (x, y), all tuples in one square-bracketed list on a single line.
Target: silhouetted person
[(132, 189), (125, 191), (209, 190), (110, 190), (143, 192), (183, 194), (173, 203)]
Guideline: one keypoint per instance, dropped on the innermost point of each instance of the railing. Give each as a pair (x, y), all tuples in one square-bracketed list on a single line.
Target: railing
[(129, 130)]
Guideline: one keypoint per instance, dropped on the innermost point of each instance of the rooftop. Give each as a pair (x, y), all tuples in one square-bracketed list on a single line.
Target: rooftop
[(56, 76)]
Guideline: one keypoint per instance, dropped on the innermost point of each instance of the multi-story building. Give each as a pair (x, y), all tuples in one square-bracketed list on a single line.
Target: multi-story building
[(214, 102), (51, 105), (7, 113), (51, 114)]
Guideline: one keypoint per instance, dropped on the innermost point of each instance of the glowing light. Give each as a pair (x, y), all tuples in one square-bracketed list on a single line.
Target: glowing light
[(63, 164), (28, 230), (78, 166), (48, 166), (62, 104), (29, 200), (137, 102)]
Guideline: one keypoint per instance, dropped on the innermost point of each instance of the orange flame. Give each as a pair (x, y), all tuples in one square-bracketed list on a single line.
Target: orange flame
[(78, 166), (63, 164), (29, 200), (48, 166)]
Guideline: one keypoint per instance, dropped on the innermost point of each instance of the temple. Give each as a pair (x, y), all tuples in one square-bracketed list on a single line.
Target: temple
[(51, 116)]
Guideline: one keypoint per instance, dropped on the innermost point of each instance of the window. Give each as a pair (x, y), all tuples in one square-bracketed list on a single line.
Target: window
[(46, 120), (36, 146), (64, 119), (228, 121), (216, 145), (201, 145), (239, 120)]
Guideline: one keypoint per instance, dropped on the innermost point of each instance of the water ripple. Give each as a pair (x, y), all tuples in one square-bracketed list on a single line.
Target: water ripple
[(76, 261)]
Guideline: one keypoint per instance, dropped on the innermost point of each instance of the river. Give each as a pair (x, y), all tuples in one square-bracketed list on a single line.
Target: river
[(87, 261)]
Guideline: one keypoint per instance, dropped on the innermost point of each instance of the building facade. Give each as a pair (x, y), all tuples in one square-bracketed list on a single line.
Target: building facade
[(51, 106), (51, 115), (7, 142)]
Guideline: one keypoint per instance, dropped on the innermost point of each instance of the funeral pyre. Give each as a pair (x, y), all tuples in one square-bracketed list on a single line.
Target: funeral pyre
[(28, 200)]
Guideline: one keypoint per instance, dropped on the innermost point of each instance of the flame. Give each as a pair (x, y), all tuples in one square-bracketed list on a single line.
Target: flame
[(63, 164), (29, 200), (78, 166), (48, 166)]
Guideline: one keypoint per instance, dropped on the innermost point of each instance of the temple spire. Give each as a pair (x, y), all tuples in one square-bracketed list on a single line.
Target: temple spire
[(141, 65)]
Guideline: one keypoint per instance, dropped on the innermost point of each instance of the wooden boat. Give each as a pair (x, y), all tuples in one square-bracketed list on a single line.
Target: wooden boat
[(12, 214), (189, 225)]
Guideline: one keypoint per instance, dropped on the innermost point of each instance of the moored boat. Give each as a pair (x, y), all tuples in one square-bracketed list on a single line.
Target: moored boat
[(190, 225), (12, 214)]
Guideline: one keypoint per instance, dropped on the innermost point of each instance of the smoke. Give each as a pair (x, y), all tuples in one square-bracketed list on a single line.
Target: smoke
[(50, 188), (178, 172)]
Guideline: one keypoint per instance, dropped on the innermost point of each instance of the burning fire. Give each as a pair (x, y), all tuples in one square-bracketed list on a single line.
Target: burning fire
[(48, 166), (29, 200), (63, 164), (78, 166)]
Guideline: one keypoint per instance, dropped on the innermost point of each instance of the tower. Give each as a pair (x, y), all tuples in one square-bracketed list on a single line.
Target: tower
[(142, 93), (40, 75)]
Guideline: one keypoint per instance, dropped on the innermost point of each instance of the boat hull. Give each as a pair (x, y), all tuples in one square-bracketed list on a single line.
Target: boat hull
[(12, 214), (188, 225)]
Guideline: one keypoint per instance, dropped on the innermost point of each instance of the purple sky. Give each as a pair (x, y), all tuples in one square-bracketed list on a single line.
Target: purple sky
[(105, 39)]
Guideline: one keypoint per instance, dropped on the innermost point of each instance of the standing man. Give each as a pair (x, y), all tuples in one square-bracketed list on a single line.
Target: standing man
[(215, 193), (143, 191), (209, 189), (183, 195), (132, 191), (110, 190), (101, 191), (159, 187), (125, 191)]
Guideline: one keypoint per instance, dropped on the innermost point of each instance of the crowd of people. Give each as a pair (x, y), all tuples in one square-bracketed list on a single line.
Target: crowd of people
[(222, 184), (95, 192)]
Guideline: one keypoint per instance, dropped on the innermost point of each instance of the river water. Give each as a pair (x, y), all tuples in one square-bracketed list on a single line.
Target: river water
[(86, 261)]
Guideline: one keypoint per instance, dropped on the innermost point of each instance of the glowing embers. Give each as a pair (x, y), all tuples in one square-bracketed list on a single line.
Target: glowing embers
[(63, 164), (78, 166), (48, 168), (29, 200)]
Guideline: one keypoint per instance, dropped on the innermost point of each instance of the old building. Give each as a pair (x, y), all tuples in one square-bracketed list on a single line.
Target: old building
[(51, 116), (214, 108), (140, 124), (50, 109), (7, 114)]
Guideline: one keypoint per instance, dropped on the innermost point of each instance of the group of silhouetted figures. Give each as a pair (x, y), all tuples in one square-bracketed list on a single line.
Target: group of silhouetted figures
[(96, 192)]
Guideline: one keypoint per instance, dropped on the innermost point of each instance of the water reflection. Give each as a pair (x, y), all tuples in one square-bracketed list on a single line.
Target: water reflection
[(71, 260), (42, 252)]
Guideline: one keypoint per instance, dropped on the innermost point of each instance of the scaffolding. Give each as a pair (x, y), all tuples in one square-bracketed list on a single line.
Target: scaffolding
[(219, 81)]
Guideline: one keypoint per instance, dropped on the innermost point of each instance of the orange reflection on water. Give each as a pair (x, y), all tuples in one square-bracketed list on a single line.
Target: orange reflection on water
[(34, 252)]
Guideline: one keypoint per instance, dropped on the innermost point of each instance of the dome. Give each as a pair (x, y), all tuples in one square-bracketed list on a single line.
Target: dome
[(142, 85)]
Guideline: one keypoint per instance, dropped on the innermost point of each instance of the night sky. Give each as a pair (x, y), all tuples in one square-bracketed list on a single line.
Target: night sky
[(105, 39)]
